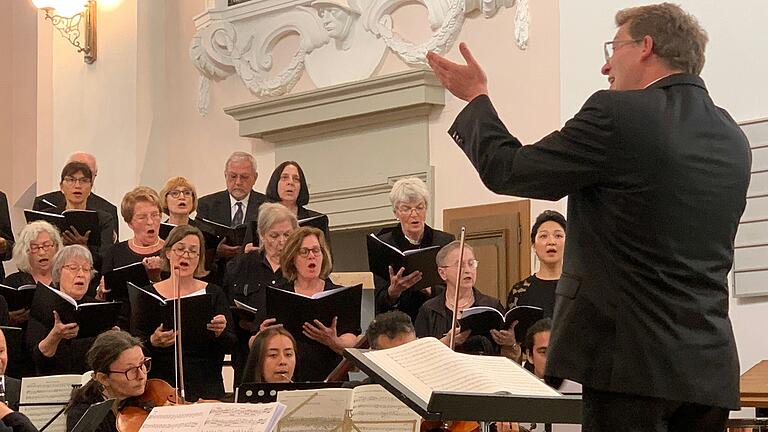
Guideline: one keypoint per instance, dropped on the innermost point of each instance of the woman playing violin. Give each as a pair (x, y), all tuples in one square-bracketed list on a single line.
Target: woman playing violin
[(272, 357), (119, 371)]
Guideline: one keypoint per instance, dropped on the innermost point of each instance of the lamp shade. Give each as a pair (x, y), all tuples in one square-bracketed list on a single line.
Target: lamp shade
[(64, 8)]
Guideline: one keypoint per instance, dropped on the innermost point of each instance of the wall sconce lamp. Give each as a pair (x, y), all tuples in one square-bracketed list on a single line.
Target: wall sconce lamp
[(66, 16)]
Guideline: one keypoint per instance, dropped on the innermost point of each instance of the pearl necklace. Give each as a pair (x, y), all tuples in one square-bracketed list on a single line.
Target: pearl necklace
[(157, 243)]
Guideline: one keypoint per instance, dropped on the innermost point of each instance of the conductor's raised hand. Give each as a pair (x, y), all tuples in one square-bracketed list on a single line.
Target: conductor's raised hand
[(467, 81)]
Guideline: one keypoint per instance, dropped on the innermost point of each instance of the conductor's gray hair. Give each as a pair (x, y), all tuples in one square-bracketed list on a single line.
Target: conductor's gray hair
[(408, 189), (240, 156), (68, 253), (27, 236)]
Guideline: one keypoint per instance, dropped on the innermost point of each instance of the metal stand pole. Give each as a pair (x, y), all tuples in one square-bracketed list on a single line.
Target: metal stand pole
[(485, 426)]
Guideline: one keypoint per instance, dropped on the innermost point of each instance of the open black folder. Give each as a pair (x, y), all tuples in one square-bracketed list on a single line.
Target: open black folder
[(117, 280), (381, 255), (82, 220), (292, 310), (18, 297), (149, 310), (481, 319), (92, 318), (235, 236)]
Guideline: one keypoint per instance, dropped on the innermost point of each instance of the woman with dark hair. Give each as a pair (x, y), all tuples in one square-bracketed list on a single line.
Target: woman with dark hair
[(76, 183), (306, 264), (119, 372), (288, 186), (202, 366), (272, 357), (538, 289)]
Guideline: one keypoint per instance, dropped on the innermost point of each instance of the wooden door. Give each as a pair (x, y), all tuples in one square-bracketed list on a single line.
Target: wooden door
[(498, 235)]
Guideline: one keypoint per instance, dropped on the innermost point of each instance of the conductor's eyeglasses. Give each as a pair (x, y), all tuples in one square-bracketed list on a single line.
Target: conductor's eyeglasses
[(135, 372), (610, 46)]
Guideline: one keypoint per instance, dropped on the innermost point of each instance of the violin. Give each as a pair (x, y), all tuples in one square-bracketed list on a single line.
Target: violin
[(157, 392)]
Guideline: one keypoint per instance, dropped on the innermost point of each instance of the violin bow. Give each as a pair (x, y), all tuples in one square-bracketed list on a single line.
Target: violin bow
[(455, 317), (177, 345)]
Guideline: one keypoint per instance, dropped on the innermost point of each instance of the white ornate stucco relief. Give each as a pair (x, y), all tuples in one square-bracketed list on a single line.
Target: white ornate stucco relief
[(339, 40)]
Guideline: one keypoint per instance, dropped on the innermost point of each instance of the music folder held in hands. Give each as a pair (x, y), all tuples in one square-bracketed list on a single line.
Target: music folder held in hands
[(483, 319), (18, 297), (381, 255), (441, 384), (116, 281), (292, 310), (235, 236), (149, 310), (82, 220), (92, 318)]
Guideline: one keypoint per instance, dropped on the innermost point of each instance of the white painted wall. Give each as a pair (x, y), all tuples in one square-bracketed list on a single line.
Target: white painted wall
[(735, 73)]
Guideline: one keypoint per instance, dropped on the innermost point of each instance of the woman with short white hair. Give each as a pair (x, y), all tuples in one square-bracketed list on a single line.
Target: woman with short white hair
[(410, 199)]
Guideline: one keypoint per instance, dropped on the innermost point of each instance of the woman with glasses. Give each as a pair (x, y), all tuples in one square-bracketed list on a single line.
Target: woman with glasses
[(436, 315), (306, 264), (178, 200), (409, 198), (142, 211), (248, 275), (55, 347), (119, 372), (33, 256), (202, 367), (288, 186), (76, 183)]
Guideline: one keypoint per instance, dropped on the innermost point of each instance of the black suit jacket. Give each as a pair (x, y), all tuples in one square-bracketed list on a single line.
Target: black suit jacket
[(5, 232), (94, 202), (656, 182)]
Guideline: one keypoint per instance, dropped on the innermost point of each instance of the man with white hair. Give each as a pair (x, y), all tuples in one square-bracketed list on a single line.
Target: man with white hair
[(236, 205), (94, 202)]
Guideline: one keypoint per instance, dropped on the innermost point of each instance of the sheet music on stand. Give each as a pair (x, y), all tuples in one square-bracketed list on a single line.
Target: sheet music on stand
[(443, 385), (43, 398)]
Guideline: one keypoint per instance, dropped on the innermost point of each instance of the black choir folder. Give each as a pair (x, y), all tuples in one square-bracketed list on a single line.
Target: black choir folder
[(93, 318), (292, 310), (18, 297), (82, 220), (117, 280), (235, 236), (441, 384), (149, 310), (244, 314), (381, 255), (482, 319), (210, 239)]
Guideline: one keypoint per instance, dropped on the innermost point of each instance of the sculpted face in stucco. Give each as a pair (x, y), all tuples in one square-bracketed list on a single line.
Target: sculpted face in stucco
[(338, 18)]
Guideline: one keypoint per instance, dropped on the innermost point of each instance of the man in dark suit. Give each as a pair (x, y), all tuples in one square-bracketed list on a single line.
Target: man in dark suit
[(6, 234), (656, 177), (94, 202), (236, 205)]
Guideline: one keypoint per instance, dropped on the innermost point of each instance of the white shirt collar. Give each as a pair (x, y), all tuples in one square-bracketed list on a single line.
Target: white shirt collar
[(233, 201)]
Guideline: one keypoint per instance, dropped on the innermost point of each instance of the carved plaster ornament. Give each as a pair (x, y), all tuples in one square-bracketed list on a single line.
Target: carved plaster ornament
[(241, 39), (355, 53)]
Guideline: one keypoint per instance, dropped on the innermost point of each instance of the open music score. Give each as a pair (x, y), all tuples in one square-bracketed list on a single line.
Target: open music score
[(43, 397), (214, 417)]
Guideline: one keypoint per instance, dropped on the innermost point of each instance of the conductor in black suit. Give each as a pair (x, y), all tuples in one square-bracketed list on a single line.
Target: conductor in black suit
[(94, 202), (236, 205), (6, 234), (656, 177)]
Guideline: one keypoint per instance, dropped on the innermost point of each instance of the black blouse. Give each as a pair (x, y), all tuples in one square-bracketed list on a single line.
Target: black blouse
[(202, 368), (246, 280), (410, 301), (314, 361), (533, 291)]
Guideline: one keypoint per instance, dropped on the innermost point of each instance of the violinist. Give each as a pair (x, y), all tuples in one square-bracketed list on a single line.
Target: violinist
[(119, 372), (202, 367), (272, 357)]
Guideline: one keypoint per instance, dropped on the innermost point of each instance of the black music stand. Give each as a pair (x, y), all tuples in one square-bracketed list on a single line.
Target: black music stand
[(93, 416), (262, 392), (483, 408)]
